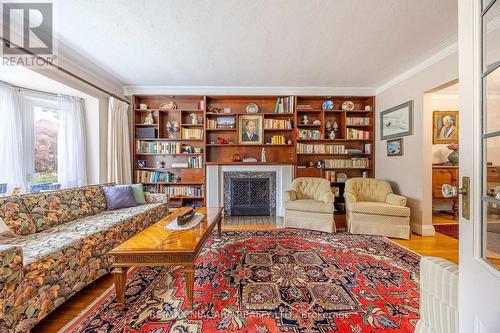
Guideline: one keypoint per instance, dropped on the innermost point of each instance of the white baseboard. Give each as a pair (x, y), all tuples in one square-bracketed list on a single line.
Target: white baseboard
[(423, 229)]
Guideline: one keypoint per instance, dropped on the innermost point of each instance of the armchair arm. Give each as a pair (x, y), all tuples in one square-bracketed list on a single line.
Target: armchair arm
[(11, 265), (156, 197), (350, 198), (290, 195), (396, 200), (328, 197)]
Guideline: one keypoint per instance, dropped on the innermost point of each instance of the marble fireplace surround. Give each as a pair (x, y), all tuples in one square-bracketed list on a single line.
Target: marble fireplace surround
[(215, 182)]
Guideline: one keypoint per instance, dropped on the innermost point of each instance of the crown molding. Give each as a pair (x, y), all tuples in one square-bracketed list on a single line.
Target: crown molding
[(257, 91), (447, 50)]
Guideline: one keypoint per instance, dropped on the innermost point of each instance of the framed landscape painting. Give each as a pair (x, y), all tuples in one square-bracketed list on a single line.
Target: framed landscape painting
[(397, 121), (395, 147)]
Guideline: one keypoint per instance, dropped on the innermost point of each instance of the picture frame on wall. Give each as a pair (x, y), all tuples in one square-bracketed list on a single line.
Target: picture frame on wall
[(445, 127), (250, 129), (397, 121), (395, 147)]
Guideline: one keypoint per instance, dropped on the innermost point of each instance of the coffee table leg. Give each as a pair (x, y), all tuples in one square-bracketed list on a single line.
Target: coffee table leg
[(189, 275), (219, 226), (120, 278)]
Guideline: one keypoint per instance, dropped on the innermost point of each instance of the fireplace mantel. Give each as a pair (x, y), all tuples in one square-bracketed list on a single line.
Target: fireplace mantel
[(215, 181)]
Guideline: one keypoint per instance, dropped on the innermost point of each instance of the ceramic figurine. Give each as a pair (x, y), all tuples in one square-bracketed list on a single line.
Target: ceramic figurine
[(319, 165), (149, 119), (305, 121), (194, 118), (263, 157)]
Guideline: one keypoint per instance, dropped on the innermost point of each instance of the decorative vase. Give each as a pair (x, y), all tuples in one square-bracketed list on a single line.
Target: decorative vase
[(453, 157)]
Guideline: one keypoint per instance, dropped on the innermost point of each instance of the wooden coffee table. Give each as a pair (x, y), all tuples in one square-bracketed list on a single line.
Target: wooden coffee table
[(157, 246)]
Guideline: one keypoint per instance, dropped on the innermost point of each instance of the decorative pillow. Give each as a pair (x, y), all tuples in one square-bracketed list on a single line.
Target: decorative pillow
[(138, 190), (16, 216), (95, 198), (119, 197)]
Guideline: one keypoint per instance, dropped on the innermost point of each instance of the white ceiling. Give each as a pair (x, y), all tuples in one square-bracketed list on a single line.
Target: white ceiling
[(257, 43)]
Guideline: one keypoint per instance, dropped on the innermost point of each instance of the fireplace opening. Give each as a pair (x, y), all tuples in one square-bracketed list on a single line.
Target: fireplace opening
[(250, 197)]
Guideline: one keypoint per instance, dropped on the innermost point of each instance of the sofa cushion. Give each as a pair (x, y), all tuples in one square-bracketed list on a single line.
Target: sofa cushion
[(53, 208), (120, 196), (95, 197), (16, 216), (138, 190), (379, 208), (308, 205)]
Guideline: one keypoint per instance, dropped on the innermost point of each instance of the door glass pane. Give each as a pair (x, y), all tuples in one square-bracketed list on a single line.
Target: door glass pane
[(491, 232), (486, 3), (491, 36), (491, 100), (492, 164)]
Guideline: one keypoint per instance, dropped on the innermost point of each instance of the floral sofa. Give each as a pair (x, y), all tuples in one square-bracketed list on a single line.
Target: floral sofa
[(57, 244)]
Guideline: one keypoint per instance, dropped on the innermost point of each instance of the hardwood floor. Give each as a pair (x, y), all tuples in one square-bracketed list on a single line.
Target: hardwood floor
[(443, 218), (439, 246)]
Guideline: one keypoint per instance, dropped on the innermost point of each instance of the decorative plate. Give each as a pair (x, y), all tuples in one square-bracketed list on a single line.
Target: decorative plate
[(327, 105), (252, 108), (348, 105)]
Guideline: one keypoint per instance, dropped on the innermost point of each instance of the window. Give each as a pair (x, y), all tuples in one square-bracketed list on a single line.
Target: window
[(45, 141)]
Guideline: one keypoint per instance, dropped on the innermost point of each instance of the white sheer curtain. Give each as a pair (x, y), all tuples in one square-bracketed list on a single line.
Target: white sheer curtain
[(12, 164), (71, 142), (119, 168)]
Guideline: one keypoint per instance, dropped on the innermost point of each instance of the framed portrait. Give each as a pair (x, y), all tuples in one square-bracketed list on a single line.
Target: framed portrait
[(445, 127), (395, 147), (397, 121), (250, 129)]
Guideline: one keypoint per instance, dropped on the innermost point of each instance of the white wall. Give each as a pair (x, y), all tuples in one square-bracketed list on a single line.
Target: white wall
[(408, 173)]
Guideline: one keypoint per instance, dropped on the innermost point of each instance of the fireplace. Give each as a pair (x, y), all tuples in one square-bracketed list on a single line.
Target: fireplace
[(250, 193)]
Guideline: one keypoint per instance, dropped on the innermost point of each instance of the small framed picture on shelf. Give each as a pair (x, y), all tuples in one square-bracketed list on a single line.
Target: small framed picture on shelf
[(250, 129), (395, 147), (226, 122), (141, 164)]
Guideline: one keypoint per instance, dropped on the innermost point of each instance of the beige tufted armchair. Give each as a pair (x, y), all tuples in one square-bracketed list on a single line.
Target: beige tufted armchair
[(309, 205), (372, 208)]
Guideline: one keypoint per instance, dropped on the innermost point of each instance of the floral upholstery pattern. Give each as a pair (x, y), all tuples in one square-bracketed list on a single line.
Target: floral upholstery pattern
[(53, 208), (16, 216), (40, 271)]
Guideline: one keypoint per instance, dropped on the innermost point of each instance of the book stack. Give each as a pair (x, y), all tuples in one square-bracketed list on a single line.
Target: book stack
[(348, 163), (278, 140), (195, 162), (309, 134), (183, 191), (304, 107), (353, 133), (191, 133), (147, 147), (284, 105), (277, 123), (357, 121), (329, 175), (320, 149), (211, 123)]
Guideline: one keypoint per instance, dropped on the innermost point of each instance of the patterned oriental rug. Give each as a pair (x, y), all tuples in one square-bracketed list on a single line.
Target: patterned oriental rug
[(447, 229), (271, 281)]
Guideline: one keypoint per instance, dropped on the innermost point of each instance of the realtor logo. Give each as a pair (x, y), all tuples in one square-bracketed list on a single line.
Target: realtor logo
[(28, 31)]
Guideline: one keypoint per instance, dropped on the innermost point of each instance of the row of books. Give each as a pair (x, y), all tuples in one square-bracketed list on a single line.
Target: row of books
[(147, 147), (278, 124), (309, 134), (195, 162), (278, 140), (191, 133), (347, 163), (303, 148), (143, 176), (284, 105), (353, 133), (184, 191), (357, 121)]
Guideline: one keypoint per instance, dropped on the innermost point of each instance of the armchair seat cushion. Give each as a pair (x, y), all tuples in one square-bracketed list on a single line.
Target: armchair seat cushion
[(309, 205), (379, 208)]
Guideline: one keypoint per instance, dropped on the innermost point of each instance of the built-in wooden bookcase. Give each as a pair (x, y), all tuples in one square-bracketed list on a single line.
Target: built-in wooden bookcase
[(235, 108), (175, 160), (351, 152), (299, 144)]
